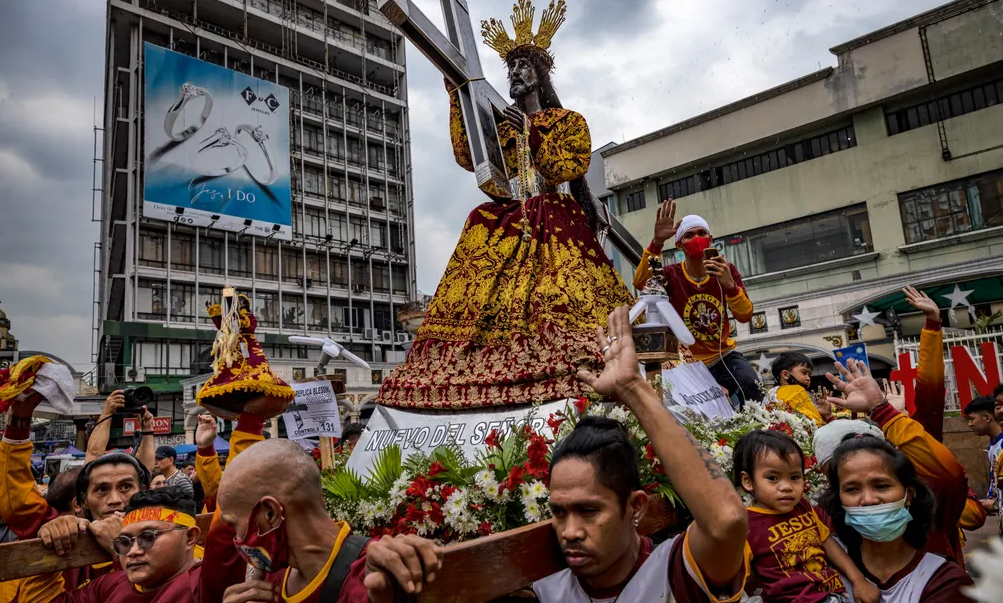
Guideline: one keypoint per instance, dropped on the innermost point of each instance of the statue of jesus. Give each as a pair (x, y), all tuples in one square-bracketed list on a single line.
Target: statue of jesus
[(515, 315)]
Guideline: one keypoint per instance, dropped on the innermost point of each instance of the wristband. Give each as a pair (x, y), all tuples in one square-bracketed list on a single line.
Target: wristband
[(883, 403), (146, 433)]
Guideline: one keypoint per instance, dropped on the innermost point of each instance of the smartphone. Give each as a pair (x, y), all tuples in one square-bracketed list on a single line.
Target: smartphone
[(711, 253)]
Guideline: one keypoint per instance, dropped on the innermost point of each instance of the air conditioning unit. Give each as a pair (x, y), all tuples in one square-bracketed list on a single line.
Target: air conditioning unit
[(367, 334), (388, 336), (140, 375), (377, 203), (402, 337)]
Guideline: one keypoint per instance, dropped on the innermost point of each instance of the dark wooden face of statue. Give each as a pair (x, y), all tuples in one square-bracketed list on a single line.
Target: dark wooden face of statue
[(522, 78)]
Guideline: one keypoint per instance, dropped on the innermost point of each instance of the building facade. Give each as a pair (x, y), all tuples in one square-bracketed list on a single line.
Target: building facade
[(350, 262), (832, 192)]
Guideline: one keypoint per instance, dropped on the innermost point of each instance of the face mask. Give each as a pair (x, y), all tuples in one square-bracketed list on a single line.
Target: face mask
[(695, 246), (879, 523), (268, 552)]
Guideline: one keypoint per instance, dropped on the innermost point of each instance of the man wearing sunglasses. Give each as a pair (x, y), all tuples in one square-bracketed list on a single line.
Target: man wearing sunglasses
[(156, 549)]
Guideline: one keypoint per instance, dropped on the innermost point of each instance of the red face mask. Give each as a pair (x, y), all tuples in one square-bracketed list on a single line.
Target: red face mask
[(695, 246), (268, 552)]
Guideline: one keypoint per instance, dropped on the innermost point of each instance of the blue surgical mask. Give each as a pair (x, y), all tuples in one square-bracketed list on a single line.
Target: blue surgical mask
[(879, 523)]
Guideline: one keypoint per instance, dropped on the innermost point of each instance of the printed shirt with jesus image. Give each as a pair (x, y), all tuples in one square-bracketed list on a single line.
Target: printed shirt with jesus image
[(786, 555)]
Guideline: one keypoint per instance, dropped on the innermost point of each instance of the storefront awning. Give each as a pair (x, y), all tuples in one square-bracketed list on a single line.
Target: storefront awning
[(984, 291)]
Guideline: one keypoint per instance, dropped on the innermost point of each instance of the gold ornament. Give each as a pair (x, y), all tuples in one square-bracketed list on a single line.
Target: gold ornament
[(527, 175), (496, 37)]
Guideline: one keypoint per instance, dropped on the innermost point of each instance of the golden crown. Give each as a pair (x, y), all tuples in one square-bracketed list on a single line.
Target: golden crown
[(523, 12)]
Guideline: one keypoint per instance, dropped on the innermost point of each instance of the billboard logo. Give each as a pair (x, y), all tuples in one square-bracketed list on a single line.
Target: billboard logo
[(250, 98)]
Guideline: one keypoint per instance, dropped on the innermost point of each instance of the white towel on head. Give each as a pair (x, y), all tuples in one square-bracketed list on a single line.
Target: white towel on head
[(55, 383), (688, 223), (829, 437)]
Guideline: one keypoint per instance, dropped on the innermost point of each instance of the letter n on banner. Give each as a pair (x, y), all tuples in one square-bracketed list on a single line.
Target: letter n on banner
[(968, 373)]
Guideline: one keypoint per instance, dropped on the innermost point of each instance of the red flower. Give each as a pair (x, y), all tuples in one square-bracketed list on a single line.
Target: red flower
[(649, 452), (554, 422), (414, 514), (484, 529), (315, 453), (491, 466), (492, 440), (418, 487), (722, 442), (447, 491), (810, 462), (581, 404), (436, 514), (651, 488), (436, 469), (782, 427), (515, 477)]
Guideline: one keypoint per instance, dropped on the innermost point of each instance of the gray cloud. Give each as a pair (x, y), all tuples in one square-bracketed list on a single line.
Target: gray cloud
[(630, 66)]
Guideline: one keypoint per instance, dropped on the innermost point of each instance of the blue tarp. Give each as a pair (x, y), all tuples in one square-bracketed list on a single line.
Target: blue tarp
[(221, 445), (74, 451), (185, 449)]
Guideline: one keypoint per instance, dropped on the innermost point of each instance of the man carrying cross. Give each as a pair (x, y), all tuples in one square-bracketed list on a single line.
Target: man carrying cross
[(514, 316)]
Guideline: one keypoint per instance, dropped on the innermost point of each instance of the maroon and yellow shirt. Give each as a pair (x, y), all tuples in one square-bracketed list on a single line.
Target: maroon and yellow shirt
[(786, 555)]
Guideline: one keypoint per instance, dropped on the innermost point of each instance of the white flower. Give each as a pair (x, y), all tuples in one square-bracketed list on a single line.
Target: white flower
[(484, 477), (536, 490), (532, 510), (619, 414)]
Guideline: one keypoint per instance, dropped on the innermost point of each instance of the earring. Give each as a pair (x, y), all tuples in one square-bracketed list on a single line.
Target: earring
[(636, 522)]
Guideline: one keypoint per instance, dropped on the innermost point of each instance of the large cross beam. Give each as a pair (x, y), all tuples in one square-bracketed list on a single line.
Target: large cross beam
[(455, 55)]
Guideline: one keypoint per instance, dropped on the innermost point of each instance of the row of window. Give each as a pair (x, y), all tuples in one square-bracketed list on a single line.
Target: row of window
[(945, 107), (312, 140), (311, 269), (349, 190), (762, 163), (953, 207), (316, 313), (353, 114)]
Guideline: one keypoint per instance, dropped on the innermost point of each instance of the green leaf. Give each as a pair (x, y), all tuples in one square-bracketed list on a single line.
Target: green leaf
[(344, 484), (386, 469)]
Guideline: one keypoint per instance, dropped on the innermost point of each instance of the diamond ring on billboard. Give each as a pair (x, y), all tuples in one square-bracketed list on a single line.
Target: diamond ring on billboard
[(189, 92), (261, 139), (221, 139)]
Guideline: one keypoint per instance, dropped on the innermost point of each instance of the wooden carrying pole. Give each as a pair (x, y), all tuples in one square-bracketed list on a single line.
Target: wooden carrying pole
[(477, 570)]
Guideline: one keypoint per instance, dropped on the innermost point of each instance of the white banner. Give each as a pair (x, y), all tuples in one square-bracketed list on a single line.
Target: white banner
[(692, 387), (424, 431), (314, 412)]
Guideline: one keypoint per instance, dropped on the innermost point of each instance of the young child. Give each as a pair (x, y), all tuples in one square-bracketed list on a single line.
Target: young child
[(792, 371), (789, 548)]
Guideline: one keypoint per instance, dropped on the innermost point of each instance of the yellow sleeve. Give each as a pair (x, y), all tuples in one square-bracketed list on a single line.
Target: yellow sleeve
[(565, 149), (458, 132), (740, 306), (240, 440), (209, 472), (799, 401), (973, 517), (21, 505), (823, 530), (41, 588), (697, 575), (644, 271)]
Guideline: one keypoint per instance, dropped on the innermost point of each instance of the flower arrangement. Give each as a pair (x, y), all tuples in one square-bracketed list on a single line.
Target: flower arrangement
[(449, 498)]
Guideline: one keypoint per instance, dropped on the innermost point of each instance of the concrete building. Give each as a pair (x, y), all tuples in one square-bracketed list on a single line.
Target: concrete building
[(8, 343), (350, 263), (833, 191)]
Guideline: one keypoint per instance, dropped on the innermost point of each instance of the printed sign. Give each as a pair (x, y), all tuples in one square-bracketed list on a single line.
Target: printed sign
[(169, 440), (424, 431), (217, 147), (132, 425), (692, 387), (314, 412)]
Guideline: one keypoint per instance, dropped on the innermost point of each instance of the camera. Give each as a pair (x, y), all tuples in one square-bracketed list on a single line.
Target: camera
[(136, 398)]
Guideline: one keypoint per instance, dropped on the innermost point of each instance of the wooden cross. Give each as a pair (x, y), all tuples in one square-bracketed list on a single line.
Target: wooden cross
[(454, 54)]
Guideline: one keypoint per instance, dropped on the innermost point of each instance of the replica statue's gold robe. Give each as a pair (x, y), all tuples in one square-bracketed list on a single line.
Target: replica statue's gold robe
[(514, 320)]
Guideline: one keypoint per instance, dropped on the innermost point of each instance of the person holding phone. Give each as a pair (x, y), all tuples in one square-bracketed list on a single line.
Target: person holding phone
[(702, 288)]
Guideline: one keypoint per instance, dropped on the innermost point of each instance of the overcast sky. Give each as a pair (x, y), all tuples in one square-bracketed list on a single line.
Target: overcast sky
[(630, 66)]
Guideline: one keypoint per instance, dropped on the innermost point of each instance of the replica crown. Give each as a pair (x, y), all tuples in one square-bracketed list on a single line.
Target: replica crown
[(496, 37)]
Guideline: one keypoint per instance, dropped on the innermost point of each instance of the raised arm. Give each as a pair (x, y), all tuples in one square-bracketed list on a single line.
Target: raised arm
[(716, 538), (23, 509), (206, 460), (930, 389), (146, 454), (665, 229), (97, 444)]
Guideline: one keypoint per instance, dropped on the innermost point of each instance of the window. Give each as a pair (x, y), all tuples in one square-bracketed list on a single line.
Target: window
[(378, 235), (829, 236), (182, 253), (210, 295), (944, 107), (953, 208), (398, 234), (266, 262), (336, 146), (183, 302), (313, 181), (337, 226), (152, 249), (316, 269), (336, 188), (339, 272), (317, 313), (315, 223), (151, 298), (292, 266), (212, 256), (360, 277), (381, 278), (383, 319), (376, 157), (633, 201), (292, 311), (266, 309), (355, 194), (400, 280), (357, 229), (239, 260)]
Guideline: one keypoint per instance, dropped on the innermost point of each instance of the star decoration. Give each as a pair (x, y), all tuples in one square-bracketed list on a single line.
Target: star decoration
[(763, 363), (866, 318), (958, 298)]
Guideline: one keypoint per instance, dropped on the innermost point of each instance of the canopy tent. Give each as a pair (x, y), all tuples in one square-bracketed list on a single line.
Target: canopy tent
[(221, 445), (185, 449), (74, 451), (984, 291)]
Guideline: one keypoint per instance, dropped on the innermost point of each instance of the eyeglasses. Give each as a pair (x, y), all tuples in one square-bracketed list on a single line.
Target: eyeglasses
[(146, 540)]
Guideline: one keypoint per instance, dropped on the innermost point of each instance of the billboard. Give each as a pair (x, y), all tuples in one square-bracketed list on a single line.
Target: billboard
[(217, 147)]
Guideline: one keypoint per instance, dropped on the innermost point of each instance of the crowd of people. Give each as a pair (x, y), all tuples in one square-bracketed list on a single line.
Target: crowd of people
[(888, 526)]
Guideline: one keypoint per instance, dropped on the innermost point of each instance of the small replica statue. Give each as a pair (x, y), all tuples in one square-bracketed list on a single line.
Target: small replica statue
[(515, 314), (242, 379)]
